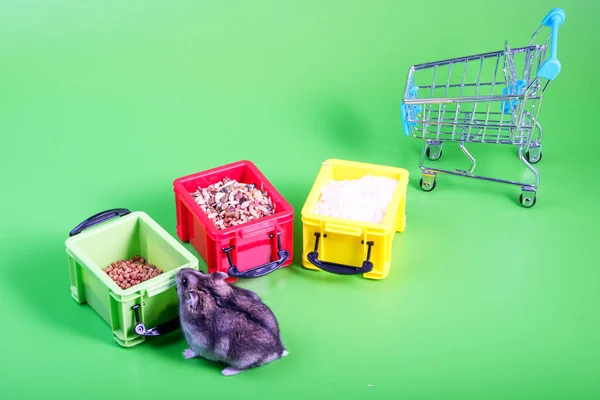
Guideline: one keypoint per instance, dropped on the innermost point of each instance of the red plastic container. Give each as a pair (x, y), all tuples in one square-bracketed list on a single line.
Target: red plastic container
[(249, 250)]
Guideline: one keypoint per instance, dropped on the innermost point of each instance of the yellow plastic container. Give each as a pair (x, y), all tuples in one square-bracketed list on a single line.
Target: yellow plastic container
[(347, 247)]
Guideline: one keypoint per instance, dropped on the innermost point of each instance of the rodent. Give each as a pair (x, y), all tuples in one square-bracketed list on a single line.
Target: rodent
[(226, 323)]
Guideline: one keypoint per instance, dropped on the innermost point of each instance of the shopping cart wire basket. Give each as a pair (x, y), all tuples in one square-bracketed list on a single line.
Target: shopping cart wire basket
[(490, 98)]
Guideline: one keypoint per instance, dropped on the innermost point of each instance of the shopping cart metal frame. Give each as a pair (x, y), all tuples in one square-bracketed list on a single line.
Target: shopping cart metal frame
[(509, 117)]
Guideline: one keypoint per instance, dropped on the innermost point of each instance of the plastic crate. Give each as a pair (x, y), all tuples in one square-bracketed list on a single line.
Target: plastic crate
[(150, 308), (347, 247), (249, 250)]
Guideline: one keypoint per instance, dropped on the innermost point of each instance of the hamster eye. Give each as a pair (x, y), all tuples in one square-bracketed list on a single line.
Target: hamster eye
[(184, 281)]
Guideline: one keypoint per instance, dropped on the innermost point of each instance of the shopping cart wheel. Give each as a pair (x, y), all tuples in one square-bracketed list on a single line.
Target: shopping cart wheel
[(534, 158), (427, 185), (435, 156), (527, 201), (434, 150)]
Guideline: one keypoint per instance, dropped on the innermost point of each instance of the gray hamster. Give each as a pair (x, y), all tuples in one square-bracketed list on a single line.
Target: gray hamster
[(226, 323)]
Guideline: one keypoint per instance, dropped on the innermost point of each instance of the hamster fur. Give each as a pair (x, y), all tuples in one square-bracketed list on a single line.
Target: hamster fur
[(226, 323)]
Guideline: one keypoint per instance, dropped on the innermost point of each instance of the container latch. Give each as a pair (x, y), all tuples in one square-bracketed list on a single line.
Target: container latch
[(158, 330)]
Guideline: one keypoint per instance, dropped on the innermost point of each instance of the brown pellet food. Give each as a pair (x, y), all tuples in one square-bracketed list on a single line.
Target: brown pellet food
[(229, 203), (128, 273)]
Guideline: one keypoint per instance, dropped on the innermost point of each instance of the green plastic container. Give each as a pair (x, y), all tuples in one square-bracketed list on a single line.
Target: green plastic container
[(150, 308)]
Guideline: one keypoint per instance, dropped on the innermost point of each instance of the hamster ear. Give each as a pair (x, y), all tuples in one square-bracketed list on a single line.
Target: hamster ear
[(192, 301), (219, 276)]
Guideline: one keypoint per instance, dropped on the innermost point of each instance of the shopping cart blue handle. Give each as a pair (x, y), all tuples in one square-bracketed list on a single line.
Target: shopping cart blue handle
[(406, 125), (551, 67), (404, 116)]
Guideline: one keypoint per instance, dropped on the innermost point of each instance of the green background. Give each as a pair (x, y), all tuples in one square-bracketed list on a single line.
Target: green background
[(104, 103)]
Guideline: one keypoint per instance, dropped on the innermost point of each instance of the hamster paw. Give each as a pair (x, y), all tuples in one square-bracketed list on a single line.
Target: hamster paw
[(285, 353), (230, 371), (189, 353)]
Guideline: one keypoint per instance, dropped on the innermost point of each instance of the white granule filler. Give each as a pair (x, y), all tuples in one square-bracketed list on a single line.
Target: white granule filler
[(365, 199)]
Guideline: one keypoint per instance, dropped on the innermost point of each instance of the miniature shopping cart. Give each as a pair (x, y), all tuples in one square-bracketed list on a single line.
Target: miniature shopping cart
[(484, 98)]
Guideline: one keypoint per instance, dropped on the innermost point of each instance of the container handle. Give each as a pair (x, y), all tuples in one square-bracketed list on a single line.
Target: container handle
[(340, 269), (551, 67), (261, 270), (98, 218), (158, 330)]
